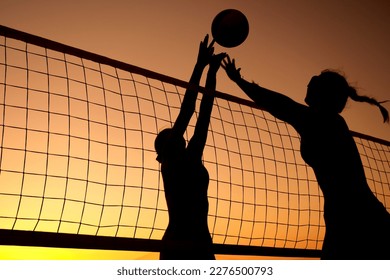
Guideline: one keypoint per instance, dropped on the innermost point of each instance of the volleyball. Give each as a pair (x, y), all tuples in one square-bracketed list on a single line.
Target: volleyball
[(230, 28)]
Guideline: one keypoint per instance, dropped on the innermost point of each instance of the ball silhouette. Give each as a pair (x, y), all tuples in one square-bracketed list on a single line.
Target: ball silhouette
[(230, 28)]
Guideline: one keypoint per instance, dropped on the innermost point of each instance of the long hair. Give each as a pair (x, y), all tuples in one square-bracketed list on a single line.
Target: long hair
[(361, 98), (340, 82)]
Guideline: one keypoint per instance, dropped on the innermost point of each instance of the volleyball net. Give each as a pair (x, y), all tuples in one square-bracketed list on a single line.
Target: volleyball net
[(78, 168)]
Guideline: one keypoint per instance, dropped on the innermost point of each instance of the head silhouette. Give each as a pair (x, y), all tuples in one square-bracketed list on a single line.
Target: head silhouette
[(161, 141), (330, 91)]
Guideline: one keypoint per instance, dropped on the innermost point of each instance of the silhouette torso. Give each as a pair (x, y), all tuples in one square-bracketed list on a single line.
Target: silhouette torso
[(186, 183), (354, 217)]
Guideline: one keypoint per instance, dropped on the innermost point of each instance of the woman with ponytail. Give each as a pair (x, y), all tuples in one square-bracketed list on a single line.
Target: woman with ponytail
[(357, 223), (354, 96)]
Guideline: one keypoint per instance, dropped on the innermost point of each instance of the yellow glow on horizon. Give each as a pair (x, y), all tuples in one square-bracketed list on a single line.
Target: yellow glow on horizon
[(41, 253)]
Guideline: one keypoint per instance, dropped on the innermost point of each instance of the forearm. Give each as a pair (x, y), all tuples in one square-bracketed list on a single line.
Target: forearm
[(255, 92), (189, 101), (191, 93), (279, 105), (273, 102), (206, 104), (205, 109), (211, 80)]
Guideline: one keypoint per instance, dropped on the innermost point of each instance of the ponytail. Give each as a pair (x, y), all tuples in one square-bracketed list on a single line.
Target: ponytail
[(359, 98)]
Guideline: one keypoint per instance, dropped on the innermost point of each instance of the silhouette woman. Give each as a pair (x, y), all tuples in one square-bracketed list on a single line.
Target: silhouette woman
[(184, 175), (357, 223)]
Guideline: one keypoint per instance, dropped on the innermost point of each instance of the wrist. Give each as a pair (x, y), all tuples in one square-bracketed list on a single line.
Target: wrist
[(237, 79), (200, 65), (197, 72), (212, 73)]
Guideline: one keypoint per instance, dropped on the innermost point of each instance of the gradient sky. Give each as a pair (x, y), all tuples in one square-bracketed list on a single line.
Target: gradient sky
[(289, 41), (287, 44)]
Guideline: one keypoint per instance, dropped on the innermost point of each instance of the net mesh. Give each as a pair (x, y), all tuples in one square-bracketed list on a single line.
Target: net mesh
[(77, 154)]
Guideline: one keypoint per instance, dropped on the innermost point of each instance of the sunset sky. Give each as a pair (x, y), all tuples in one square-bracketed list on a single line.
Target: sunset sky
[(288, 42)]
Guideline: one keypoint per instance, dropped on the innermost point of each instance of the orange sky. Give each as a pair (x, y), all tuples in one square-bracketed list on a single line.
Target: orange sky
[(289, 41), (287, 44)]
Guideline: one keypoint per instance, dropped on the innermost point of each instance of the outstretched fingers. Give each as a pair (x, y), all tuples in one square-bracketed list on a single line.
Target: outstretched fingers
[(230, 67), (206, 51), (212, 43), (205, 43), (219, 57), (228, 63), (216, 61)]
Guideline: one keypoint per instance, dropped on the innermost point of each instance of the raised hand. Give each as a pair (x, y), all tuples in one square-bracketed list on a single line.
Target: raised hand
[(231, 69), (206, 52), (215, 62)]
